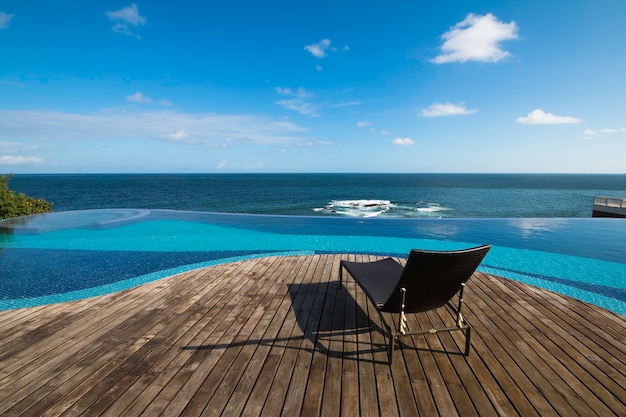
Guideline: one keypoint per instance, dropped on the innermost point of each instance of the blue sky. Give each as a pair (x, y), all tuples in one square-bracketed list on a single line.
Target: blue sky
[(312, 86)]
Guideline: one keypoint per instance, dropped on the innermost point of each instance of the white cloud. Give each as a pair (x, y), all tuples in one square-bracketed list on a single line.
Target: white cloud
[(364, 123), (128, 14), (539, 117), (19, 160), (445, 109), (346, 104), (320, 49), (179, 136), (299, 102), (299, 105), (300, 92), (5, 19), (141, 98), (592, 134), (13, 147), (403, 141), (138, 98), (126, 17), (284, 91), (477, 38), (209, 129), (313, 142)]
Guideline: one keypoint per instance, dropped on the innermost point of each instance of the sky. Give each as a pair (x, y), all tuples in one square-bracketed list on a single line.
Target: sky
[(230, 86)]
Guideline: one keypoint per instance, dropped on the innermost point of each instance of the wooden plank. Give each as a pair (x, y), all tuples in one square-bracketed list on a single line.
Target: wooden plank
[(276, 336), (253, 368), (312, 402), (491, 341), (368, 392), (265, 334), (560, 376), (350, 405), (105, 372), (303, 297), (469, 397), (558, 358), (281, 329), (155, 393), (331, 404), (40, 371), (222, 346), (302, 367), (131, 368), (205, 351)]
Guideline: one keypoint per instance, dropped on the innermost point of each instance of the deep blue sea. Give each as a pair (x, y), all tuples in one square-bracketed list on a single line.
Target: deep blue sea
[(354, 195)]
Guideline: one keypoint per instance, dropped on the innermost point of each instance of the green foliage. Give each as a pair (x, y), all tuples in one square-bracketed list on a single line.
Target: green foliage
[(15, 205)]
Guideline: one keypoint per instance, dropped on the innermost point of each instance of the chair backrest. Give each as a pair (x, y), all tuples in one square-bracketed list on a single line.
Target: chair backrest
[(432, 278)]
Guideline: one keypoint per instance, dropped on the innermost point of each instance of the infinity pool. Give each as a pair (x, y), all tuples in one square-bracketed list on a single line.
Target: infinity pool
[(72, 255)]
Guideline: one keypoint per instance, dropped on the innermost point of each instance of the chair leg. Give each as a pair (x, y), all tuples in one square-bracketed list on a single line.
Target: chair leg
[(401, 325), (390, 350), (468, 336), (340, 274)]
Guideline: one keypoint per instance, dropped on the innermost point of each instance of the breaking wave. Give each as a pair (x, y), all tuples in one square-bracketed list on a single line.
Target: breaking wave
[(382, 208)]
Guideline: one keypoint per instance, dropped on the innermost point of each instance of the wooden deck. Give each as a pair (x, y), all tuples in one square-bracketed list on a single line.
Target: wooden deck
[(275, 336)]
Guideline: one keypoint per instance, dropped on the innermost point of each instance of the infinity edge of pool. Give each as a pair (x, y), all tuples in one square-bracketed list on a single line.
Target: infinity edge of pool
[(445, 231)]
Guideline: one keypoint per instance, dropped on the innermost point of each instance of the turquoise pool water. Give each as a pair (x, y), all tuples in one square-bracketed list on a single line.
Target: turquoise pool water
[(65, 256)]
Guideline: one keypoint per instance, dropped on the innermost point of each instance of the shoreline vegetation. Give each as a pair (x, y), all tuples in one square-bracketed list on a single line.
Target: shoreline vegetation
[(15, 205)]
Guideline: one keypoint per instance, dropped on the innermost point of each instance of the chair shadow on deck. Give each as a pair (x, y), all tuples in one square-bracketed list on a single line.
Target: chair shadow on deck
[(327, 319), (334, 321)]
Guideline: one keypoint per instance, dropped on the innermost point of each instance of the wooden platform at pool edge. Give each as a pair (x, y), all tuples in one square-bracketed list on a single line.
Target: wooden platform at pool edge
[(275, 336)]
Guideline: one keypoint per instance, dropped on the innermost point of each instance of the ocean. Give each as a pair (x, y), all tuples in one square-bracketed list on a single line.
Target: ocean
[(349, 195)]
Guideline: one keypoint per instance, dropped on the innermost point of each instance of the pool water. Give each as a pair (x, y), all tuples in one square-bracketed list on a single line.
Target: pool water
[(72, 255)]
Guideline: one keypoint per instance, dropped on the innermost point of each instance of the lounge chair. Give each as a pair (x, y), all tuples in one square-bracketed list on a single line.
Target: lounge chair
[(429, 280)]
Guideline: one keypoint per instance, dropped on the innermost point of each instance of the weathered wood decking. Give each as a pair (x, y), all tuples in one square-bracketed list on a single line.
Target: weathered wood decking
[(275, 336)]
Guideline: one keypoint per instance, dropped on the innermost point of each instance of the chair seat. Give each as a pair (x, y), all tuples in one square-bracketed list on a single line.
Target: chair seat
[(378, 279)]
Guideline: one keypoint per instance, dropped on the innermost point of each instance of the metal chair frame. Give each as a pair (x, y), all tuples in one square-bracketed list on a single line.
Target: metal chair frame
[(393, 333)]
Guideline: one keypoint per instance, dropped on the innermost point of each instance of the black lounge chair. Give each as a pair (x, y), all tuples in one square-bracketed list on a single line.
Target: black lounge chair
[(429, 280)]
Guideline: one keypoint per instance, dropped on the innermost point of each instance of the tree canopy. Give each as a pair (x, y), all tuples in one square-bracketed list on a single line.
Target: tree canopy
[(15, 205)]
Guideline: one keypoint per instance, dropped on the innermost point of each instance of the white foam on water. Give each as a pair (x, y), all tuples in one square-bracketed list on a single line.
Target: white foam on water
[(382, 208), (361, 203), (431, 209), (356, 208)]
